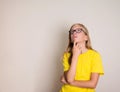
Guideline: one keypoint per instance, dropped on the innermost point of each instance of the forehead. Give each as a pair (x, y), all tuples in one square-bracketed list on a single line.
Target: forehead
[(76, 27)]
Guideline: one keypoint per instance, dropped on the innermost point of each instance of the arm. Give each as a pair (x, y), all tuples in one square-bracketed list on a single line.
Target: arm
[(63, 80), (92, 83), (87, 84), (70, 74)]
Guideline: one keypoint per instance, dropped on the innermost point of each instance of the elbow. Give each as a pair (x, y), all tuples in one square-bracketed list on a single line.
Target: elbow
[(93, 85), (70, 81)]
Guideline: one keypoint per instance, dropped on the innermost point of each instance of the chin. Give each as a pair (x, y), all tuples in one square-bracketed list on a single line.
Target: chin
[(75, 40)]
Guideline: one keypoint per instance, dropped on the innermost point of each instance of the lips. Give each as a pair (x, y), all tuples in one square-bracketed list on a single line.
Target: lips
[(74, 36)]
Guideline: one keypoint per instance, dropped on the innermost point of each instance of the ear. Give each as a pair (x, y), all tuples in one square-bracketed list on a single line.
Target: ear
[(86, 38)]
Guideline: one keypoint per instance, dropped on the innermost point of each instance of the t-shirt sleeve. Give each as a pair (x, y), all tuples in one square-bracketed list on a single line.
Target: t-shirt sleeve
[(65, 62), (97, 66)]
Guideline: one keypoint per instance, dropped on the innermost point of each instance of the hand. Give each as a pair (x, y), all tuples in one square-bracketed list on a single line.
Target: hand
[(63, 80), (76, 49)]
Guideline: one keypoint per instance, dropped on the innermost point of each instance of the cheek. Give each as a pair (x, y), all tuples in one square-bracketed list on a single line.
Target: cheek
[(71, 38), (81, 38)]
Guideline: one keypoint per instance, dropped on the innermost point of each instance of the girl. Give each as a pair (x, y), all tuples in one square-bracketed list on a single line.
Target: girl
[(82, 64)]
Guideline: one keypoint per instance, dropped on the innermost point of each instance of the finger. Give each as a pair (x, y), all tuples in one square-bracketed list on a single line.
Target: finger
[(79, 45), (74, 43)]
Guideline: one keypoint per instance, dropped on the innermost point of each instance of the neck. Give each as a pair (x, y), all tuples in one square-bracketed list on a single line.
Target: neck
[(83, 49)]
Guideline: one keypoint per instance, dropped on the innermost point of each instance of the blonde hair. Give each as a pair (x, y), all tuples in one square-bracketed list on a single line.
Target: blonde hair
[(88, 42)]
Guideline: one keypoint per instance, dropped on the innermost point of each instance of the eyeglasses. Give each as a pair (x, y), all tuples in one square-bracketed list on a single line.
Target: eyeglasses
[(77, 31)]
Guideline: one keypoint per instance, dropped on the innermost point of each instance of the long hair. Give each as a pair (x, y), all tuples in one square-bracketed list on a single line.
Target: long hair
[(70, 43)]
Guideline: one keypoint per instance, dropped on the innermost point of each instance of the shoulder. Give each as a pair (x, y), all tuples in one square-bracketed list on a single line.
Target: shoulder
[(94, 53), (66, 54)]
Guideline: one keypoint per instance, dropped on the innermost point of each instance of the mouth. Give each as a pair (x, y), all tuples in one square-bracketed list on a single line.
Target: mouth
[(74, 37)]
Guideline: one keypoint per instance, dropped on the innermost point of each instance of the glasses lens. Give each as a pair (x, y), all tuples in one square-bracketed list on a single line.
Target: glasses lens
[(77, 31)]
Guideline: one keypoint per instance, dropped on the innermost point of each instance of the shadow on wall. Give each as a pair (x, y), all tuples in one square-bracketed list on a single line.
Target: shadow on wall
[(63, 37), (52, 82)]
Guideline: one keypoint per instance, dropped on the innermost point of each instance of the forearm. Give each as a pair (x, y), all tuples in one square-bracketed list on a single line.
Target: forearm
[(70, 74), (88, 83), (78, 83), (83, 84)]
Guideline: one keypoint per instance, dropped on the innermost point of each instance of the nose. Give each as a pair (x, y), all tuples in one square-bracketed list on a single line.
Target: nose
[(74, 32)]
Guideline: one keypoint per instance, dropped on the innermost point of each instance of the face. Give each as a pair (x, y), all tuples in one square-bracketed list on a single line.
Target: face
[(77, 35)]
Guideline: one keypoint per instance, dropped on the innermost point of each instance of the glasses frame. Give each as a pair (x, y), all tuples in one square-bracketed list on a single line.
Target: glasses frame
[(76, 30)]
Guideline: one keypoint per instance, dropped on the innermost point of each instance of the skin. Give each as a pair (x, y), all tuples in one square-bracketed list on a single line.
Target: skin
[(68, 77)]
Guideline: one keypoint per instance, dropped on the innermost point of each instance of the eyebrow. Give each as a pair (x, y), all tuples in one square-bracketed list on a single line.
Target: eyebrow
[(77, 29)]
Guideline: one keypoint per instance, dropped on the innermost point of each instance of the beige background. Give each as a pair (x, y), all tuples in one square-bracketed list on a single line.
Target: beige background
[(34, 35)]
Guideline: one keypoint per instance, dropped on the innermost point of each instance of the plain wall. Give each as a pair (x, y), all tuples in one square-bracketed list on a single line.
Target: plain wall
[(34, 35)]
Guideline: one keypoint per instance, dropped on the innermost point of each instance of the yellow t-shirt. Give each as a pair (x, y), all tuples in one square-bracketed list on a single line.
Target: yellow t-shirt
[(88, 62)]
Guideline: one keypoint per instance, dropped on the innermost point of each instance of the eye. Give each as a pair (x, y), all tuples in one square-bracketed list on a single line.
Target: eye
[(78, 30)]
